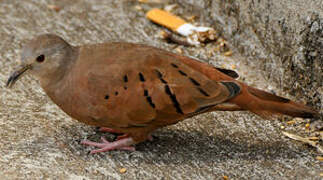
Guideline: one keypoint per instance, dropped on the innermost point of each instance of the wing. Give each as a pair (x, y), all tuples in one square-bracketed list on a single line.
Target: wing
[(144, 85)]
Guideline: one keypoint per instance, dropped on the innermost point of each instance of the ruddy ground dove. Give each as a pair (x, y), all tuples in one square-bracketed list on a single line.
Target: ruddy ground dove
[(134, 89)]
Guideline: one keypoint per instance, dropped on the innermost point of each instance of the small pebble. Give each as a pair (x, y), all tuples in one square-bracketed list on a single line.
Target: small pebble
[(138, 8), (217, 48), (298, 119), (191, 18), (53, 7), (179, 50), (320, 158), (228, 53), (307, 125), (170, 7), (123, 170), (291, 122)]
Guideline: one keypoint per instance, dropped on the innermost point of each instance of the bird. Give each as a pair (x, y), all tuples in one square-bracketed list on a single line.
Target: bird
[(135, 89)]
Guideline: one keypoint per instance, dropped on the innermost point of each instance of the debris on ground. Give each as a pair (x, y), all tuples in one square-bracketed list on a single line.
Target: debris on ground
[(152, 1), (228, 53), (307, 125), (54, 7), (191, 18), (308, 140), (172, 38), (179, 50), (170, 7), (291, 122), (122, 170), (319, 158), (195, 34), (138, 8)]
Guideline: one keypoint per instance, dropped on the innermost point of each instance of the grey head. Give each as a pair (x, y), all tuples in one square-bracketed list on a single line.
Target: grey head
[(44, 56)]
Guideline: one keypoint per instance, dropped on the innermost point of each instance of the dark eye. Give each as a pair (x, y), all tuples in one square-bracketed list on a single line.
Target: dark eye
[(40, 58)]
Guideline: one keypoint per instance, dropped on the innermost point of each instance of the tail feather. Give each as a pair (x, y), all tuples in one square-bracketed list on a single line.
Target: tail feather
[(266, 104)]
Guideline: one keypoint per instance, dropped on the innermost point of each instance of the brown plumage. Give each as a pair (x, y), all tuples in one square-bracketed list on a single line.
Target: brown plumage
[(135, 89)]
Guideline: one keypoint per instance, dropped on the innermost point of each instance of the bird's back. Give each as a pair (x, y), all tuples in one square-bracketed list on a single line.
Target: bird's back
[(124, 85)]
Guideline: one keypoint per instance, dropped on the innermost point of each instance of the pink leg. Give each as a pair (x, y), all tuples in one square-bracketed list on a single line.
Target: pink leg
[(122, 137), (109, 130), (122, 144), (149, 137)]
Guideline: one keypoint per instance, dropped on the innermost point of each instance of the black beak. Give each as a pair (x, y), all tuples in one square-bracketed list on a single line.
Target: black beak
[(16, 75)]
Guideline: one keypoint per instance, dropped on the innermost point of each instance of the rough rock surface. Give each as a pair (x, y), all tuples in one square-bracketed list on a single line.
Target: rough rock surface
[(284, 38), (39, 141)]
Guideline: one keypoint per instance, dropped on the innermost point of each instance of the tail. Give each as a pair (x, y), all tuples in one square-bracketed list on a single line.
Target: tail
[(266, 104), (243, 97)]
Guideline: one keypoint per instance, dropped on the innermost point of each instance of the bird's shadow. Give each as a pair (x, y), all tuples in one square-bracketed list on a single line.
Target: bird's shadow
[(179, 146)]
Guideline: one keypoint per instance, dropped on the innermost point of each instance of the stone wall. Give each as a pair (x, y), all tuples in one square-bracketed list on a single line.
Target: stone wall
[(284, 38)]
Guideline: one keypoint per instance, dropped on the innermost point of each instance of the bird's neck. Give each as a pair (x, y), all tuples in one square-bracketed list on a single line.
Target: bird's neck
[(57, 86), (54, 78), (60, 92)]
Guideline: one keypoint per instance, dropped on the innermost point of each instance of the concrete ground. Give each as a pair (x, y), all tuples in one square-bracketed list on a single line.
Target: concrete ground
[(39, 141)]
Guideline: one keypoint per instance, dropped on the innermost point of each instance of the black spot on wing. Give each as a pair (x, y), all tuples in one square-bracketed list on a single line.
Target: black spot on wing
[(160, 76), (145, 92), (173, 99), (197, 84), (125, 78), (169, 93), (149, 99), (174, 65), (194, 82), (182, 73), (203, 92), (141, 77)]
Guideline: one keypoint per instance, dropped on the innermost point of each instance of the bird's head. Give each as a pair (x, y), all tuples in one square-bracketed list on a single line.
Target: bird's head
[(44, 56)]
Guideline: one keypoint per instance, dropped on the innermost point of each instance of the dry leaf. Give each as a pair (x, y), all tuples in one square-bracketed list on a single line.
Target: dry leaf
[(313, 138), (304, 140)]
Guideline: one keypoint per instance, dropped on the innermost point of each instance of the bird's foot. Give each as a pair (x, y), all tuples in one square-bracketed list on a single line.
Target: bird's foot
[(121, 144)]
